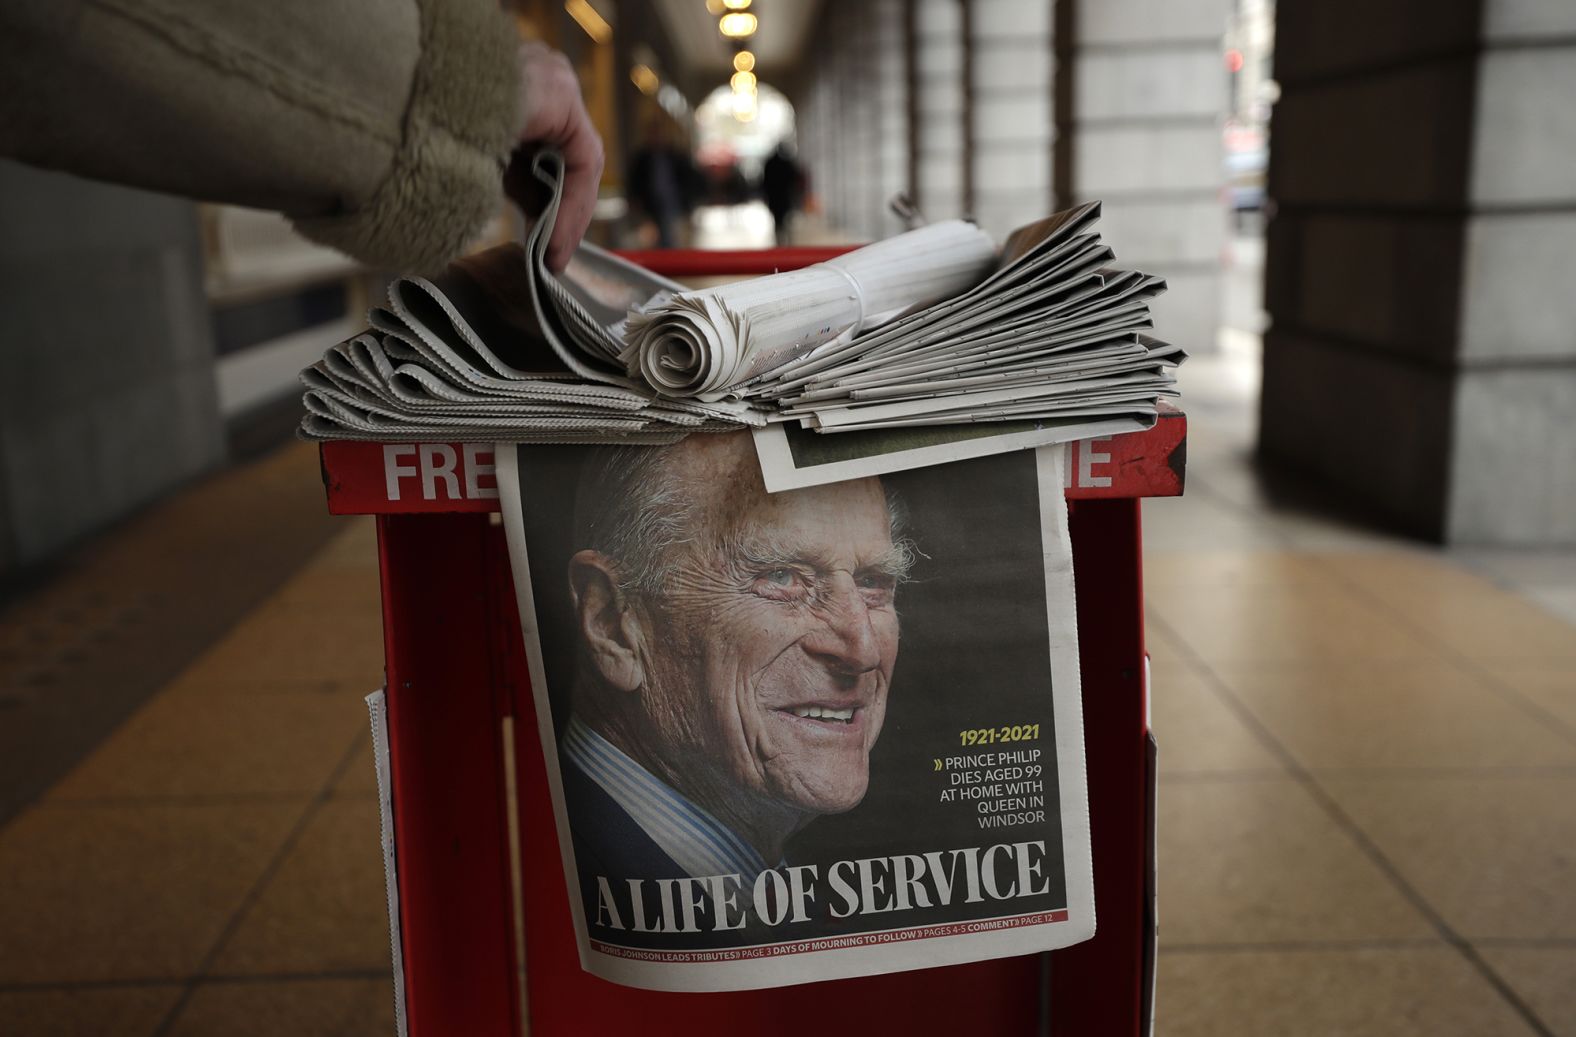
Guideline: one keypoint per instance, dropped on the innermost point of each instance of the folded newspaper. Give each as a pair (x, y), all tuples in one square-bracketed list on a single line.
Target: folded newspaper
[(934, 328)]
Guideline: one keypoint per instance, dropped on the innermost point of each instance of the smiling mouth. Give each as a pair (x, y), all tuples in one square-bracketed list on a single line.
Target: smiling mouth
[(824, 714)]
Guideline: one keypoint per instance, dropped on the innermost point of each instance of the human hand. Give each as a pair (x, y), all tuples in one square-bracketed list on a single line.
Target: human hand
[(553, 114)]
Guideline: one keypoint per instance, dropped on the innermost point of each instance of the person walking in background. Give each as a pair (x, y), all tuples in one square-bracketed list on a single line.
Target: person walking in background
[(782, 182), (383, 128), (662, 183)]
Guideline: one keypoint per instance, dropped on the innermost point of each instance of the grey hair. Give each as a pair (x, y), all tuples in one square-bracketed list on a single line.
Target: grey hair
[(907, 551), (631, 506)]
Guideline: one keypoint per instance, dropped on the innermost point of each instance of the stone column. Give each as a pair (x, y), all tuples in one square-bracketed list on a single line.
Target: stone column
[(851, 116), (978, 95), (938, 57), (1142, 131), (1011, 71), (1419, 278)]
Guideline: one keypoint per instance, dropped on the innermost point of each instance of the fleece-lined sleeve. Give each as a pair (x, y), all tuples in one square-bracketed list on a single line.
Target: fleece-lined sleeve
[(380, 127)]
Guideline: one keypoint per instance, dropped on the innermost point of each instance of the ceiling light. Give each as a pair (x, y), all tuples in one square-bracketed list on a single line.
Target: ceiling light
[(645, 79), (737, 25), (744, 61), (715, 7), (593, 23), (743, 82), (736, 5)]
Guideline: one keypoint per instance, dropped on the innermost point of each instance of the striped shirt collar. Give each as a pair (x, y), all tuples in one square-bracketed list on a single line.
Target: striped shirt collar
[(696, 841)]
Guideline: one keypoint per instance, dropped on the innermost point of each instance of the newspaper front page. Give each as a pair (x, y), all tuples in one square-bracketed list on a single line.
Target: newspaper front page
[(793, 457), (829, 732)]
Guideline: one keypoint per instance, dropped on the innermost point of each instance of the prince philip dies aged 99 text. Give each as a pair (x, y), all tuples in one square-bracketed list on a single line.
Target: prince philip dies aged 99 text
[(735, 656)]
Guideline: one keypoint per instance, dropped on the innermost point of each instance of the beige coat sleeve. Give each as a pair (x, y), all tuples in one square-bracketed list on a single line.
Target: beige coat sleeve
[(380, 127)]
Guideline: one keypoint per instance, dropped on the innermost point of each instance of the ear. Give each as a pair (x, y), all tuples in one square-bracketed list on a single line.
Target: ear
[(608, 626)]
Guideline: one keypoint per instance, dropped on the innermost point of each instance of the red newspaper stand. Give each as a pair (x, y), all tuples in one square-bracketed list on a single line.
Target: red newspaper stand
[(486, 943)]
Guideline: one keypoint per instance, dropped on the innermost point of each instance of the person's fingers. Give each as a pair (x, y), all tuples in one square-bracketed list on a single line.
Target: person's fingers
[(554, 115), (520, 184), (582, 175), (551, 92)]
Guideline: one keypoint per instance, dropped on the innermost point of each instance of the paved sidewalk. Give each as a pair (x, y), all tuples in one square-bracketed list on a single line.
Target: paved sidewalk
[(212, 867)]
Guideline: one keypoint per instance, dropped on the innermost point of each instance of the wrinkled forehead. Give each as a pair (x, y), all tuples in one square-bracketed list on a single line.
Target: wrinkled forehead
[(846, 521)]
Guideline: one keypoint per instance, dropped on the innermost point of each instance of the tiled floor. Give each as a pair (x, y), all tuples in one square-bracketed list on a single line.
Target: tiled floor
[(212, 867), (1367, 809)]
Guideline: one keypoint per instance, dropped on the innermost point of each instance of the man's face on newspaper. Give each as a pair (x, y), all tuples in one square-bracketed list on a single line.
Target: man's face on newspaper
[(773, 642)]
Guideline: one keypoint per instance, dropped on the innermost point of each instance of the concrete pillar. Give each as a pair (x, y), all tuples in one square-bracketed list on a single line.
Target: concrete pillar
[(852, 117), (107, 394), (1012, 126), (938, 54), (855, 111), (1422, 357), (1148, 99), (1139, 125)]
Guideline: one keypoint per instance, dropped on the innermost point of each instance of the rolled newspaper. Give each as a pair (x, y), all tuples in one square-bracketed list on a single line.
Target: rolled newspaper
[(711, 342)]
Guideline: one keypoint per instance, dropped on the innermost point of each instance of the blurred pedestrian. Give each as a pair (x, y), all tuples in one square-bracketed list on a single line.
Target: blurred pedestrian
[(662, 183), (782, 182), (383, 128)]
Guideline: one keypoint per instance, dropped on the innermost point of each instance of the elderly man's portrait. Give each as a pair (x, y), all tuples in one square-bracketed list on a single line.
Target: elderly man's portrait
[(736, 651), (743, 681)]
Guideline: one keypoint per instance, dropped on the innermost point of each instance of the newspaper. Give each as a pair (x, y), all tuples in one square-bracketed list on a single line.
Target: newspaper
[(930, 328), (1053, 333), (471, 355), (792, 458), (817, 734), (713, 343)]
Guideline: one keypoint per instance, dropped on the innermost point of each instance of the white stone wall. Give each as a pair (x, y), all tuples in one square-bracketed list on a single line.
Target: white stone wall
[(108, 398)]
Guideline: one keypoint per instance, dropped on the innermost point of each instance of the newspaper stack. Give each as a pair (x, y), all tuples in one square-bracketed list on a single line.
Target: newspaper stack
[(1053, 333), (931, 327), (463, 357)]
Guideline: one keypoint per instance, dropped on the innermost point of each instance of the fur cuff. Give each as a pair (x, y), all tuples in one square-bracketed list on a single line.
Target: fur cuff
[(446, 180)]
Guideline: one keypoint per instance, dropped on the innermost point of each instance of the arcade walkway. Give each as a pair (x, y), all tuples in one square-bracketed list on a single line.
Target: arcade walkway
[(1367, 812)]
